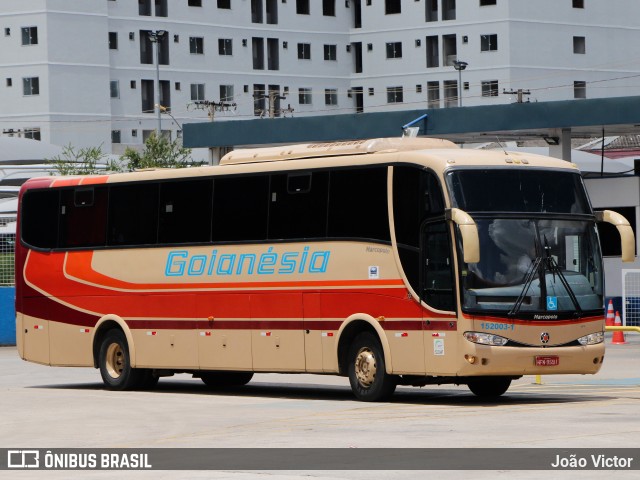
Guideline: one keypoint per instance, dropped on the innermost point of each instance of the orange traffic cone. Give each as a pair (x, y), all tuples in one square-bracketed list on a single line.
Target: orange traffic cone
[(610, 318), (618, 336)]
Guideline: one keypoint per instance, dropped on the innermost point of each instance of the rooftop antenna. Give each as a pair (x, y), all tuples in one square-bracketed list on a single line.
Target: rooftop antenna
[(409, 130)]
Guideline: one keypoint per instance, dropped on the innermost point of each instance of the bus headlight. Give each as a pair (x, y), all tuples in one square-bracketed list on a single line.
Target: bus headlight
[(485, 338), (592, 338)]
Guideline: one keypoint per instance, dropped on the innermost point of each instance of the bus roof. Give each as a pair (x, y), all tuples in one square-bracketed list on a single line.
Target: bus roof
[(440, 155), (331, 149)]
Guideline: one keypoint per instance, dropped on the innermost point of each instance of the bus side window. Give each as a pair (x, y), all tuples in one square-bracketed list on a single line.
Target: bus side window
[(298, 206), (185, 211), (358, 204), (83, 217), (39, 216), (133, 214), (240, 208)]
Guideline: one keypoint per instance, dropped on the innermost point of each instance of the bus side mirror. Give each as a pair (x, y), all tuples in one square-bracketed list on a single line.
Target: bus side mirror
[(469, 232), (627, 239)]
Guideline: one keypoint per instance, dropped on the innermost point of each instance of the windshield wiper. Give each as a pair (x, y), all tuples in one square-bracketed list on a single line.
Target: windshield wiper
[(531, 273), (554, 268)]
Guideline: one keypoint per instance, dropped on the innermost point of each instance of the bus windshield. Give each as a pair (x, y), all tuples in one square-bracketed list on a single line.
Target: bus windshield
[(518, 190), (534, 257), (534, 265)]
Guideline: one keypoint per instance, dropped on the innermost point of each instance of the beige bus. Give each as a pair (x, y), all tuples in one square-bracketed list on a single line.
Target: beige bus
[(391, 262)]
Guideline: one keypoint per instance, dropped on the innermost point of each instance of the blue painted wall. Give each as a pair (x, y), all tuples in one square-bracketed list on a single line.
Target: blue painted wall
[(7, 316)]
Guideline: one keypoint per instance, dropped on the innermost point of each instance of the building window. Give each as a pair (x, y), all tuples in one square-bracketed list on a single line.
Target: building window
[(31, 86), (195, 3), (273, 54), (257, 47), (177, 86), (489, 43), (304, 51), (578, 3), (392, 6), (304, 96), (330, 96), (226, 93), (29, 35), (226, 4), (330, 52), (9, 82), (133, 84), (302, 7), (114, 87), (371, 91), (256, 11), (7, 32), (116, 137), (329, 8), (433, 94), (579, 45), (146, 95), (448, 9), (394, 49), (225, 46), (394, 95), (196, 45), (32, 133), (579, 89), (113, 40), (197, 92), (490, 88), (144, 8), (485, 3), (161, 8)]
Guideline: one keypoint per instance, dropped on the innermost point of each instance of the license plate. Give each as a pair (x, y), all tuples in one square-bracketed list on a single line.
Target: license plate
[(548, 361)]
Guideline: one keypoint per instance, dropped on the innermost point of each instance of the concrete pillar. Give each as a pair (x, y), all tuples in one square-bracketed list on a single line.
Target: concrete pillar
[(563, 149)]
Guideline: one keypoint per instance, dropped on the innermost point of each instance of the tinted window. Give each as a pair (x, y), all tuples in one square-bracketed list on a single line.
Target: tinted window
[(416, 197), (240, 205), (512, 190), (83, 217), (133, 214), (298, 207), (185, 211), (358, 204), (40, 218)]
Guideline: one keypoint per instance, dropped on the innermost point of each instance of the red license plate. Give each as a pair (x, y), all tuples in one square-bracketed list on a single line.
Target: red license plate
[(548, 361)]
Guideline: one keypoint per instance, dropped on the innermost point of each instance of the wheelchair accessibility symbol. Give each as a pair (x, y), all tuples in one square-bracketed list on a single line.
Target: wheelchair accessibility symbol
[(552, 303)]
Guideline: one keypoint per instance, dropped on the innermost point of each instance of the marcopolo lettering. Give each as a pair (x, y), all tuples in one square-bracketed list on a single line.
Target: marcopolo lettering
[(182, 262)]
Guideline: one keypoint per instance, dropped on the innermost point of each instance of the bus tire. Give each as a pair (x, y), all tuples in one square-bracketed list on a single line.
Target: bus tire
[(115, 363), (225, 379), (368, 377), (489, 387)]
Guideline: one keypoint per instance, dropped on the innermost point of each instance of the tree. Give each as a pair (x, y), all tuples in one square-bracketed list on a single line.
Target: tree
[(83, 161), (159, 153)]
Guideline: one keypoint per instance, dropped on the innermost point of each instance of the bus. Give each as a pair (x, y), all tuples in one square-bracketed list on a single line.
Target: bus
[(392, 261)]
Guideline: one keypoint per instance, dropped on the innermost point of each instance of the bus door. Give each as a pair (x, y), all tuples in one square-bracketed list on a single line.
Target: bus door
[(437, 290)]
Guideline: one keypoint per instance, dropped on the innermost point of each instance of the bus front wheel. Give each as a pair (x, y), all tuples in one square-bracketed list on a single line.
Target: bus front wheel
[(489, 387), (368, 377), (115, 363)]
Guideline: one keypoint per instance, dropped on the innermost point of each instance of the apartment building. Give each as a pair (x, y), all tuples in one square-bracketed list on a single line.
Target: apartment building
[(86, 72)]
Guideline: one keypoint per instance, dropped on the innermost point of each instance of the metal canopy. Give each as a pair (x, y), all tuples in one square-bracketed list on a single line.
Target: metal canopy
[(586, 117)]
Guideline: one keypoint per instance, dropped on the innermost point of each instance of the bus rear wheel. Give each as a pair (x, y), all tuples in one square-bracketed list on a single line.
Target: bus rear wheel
[(489, 387), (368, 377), (225, 379), (115, 363)]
